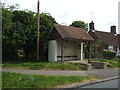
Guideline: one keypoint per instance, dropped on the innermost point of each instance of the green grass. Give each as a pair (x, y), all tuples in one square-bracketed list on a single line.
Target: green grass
[(111, 63), (16, 80), (48, 66)]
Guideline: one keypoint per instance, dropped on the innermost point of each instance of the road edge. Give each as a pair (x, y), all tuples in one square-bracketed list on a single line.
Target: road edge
[(93, 82)]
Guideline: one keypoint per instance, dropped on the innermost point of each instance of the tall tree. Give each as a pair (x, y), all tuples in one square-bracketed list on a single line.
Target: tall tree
[(46, 22), (7, 31), (19, 32), (80, 24), (29, 23)]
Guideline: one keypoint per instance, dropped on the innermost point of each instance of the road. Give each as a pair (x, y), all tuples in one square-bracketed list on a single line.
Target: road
[(107, 84)]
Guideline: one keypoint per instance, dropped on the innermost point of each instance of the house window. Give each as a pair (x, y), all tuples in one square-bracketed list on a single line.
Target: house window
[(110, 48)]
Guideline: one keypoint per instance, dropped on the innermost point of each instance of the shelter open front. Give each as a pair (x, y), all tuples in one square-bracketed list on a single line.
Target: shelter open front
[(72, 50)]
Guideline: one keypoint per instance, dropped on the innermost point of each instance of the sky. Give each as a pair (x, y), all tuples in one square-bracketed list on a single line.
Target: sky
[(104, 12), (119, 18)]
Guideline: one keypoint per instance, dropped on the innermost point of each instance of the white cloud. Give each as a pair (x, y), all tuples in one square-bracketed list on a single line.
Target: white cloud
[(106, 11)]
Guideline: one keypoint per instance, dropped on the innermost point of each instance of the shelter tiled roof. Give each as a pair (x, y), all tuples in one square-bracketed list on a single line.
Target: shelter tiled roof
[(72, 33)]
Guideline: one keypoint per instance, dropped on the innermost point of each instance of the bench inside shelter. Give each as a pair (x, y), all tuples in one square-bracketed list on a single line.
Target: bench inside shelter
[(73, 57)]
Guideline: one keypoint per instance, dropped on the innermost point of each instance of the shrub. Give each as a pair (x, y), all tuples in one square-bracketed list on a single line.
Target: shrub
[(109, 55)]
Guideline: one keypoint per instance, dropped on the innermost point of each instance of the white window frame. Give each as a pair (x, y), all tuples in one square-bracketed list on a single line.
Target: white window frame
[(111, 48)]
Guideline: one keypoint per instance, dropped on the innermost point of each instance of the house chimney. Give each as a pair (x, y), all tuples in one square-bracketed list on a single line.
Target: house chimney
[(91, 26), (113, 29)]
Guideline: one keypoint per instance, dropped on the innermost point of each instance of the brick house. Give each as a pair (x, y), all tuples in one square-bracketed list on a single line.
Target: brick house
[(106, 40), (66, 43)]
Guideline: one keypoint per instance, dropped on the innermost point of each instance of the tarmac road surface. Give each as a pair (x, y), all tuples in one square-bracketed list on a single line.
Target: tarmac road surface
[(107, 84)]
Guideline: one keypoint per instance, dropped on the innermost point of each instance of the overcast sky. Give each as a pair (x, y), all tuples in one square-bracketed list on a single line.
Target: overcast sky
[(65, 11)]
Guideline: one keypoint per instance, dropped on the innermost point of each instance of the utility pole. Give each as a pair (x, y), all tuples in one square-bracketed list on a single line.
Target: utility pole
[(38, 30)]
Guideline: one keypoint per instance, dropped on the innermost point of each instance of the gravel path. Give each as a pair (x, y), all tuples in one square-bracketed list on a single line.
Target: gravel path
[(99, 73)]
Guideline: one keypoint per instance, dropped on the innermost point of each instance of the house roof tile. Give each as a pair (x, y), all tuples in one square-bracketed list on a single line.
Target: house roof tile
[(107, 38)]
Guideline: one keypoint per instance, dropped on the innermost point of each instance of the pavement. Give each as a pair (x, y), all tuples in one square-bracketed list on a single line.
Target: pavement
[(98, 73)]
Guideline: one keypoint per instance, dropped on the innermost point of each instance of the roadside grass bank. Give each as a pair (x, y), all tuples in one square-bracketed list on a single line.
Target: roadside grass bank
[(17, 80), (46, 66), (114, 63)]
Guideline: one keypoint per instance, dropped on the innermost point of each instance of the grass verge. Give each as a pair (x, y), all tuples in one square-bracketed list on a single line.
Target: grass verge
[(17, 80), (111, 63), (47, 66)]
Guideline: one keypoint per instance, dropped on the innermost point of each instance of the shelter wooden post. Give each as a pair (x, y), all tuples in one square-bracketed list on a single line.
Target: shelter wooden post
[(88, 52), (81, 51), (62, 49)]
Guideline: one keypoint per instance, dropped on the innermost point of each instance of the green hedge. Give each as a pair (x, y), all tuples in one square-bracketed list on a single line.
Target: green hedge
[(109, 55)]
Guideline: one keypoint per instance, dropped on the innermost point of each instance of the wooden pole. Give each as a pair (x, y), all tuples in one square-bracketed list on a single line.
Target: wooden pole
[(38, 31)]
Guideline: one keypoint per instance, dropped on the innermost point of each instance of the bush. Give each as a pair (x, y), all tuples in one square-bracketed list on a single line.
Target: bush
[(109, 55)]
